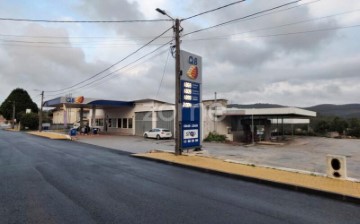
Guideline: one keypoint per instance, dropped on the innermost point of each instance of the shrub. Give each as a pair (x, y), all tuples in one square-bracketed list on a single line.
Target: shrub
[(30, 121), (214, 137)]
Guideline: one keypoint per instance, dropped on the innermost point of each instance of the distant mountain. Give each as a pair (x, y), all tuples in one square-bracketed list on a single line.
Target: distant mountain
[(254, 106), (344, 111)]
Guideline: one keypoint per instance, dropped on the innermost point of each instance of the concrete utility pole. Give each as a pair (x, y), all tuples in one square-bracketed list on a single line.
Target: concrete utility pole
[(215, 114), (178, 106), (13, 116), (177, 87), (41, 111), (253, 128)]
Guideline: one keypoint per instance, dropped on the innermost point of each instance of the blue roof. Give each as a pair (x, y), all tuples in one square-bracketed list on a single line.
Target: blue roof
[(51, 103), (111, 103), (58, 102)]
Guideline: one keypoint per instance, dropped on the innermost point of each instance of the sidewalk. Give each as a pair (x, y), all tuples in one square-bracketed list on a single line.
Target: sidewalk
[(343, 189)]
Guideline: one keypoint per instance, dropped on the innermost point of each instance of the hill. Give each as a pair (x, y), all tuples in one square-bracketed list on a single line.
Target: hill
[(344, 111), (254, 106)]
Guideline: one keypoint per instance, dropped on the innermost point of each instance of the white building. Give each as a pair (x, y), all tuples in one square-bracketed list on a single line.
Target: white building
[(136, 117)]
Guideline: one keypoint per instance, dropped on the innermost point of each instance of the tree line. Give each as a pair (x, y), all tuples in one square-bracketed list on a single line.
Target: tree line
[(324, 124)]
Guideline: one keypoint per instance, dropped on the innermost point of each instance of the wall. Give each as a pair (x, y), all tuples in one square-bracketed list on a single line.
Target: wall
[(129, 112), (72, 116), (221, 124), (120, 113)]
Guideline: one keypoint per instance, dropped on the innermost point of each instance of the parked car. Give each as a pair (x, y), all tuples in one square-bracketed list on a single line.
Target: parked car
[(158, 133)]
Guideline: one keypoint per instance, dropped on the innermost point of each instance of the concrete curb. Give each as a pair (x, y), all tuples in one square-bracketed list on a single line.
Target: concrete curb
[(51, 135), (325, 194)]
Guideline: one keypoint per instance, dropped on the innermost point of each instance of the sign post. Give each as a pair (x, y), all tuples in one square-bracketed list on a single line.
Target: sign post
[(190, 99)]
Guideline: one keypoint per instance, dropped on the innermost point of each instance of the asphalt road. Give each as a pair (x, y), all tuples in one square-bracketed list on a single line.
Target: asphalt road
[(47, 181)]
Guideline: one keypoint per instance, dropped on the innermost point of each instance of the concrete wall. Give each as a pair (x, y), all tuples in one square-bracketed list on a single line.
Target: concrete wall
[(120, 113), (72, 116), (211, 123)]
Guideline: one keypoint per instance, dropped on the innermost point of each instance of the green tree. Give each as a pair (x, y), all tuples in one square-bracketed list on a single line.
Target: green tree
[(22, 102), (30, 120), (354, 127), (339, 125), (354, 123), (322, 127)]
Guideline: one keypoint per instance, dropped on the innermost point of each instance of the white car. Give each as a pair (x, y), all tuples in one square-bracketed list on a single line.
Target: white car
[(158, 133)]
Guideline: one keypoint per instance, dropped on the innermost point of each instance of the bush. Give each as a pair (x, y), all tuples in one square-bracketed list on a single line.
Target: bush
[(214, 137), (30, 121)]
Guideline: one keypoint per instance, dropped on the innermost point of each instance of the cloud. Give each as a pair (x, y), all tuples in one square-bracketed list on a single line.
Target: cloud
[(242, 66)]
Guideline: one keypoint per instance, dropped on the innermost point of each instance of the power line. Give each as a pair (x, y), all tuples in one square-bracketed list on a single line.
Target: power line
[(213, 10), (162, 77), (84, 21), (51, 42), (111, 66), (111, 73), (274, 27), (244, 17), (80, 37), (128, 69), (61, 44), (286, 34)]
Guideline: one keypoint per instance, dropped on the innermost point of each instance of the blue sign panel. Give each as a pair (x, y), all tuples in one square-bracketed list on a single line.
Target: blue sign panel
[(190, 100)]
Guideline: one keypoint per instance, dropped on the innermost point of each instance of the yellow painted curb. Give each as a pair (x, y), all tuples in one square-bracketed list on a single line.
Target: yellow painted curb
[(50, 135), (330, 185)]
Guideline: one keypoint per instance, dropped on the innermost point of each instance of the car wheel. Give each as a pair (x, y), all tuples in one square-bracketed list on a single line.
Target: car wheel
[(145, 136), (158, 137)]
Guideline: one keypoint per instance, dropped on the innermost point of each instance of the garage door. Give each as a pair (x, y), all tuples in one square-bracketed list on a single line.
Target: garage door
[(143, 122), (165, 119)]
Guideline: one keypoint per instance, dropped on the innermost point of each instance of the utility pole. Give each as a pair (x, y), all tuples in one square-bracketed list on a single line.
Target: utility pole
[(177, 87), (13, 116), (41, 111), (178, 106), (253, 128), (215, 114)]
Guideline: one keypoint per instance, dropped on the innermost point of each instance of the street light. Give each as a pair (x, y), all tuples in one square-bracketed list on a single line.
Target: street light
[(177, 81), (164, 13)]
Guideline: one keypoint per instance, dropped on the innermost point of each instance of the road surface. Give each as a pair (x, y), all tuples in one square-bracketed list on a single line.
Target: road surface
[(49, 181)]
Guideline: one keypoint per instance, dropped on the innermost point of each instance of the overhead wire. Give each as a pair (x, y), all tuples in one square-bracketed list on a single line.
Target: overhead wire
[(285, 34), (113, 65), (83, 21), (162, 77), (212, 10), (125, 69), (242, 18), (274, 27), (115, 71)]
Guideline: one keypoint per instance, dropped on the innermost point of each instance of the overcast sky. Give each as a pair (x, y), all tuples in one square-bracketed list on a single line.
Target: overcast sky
[(294, 56)]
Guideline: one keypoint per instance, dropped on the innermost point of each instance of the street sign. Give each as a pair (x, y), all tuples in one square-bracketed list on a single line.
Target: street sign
[(190, 99)]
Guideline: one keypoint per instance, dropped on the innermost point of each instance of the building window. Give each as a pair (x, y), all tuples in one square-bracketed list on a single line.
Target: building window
[(99, 122), (119, 123), (130, 123), (113, 122), (125, 123)]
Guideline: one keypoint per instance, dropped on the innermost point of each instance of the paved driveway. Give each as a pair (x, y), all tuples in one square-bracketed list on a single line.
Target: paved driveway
[(303, 153)]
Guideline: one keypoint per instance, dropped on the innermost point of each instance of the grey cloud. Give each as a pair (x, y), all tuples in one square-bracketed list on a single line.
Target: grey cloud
[(123, 10)]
